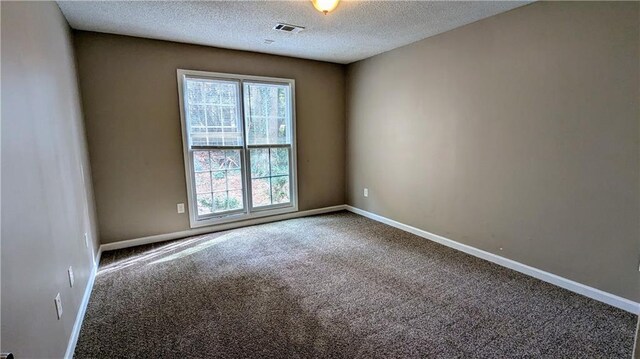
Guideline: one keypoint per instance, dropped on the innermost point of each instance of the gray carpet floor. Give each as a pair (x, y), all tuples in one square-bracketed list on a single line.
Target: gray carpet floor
[(339, 286)]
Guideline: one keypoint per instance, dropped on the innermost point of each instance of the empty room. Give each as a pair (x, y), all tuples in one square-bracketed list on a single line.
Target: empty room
[(320, 179)]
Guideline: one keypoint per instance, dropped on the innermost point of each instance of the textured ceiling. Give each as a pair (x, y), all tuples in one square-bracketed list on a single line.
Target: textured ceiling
[(354, 31)]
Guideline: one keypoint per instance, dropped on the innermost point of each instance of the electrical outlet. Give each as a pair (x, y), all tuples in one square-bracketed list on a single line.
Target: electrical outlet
[(86, 239), (366, 192), (180, 207), (71, 279), (58, 303)]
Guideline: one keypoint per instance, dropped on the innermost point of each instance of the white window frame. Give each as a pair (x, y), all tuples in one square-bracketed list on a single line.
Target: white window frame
[(247, 212)]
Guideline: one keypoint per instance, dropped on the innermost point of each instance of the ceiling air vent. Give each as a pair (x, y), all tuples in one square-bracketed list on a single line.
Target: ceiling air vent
[(294, 29)]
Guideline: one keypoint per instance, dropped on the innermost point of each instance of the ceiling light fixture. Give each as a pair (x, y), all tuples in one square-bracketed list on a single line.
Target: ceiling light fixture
[(325, 6)]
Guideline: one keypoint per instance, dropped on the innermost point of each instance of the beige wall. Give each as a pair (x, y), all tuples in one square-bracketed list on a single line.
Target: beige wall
[(130, 100), (46, 193), (517, 134)]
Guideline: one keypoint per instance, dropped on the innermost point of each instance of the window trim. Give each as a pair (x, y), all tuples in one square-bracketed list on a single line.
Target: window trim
[(248, 212)]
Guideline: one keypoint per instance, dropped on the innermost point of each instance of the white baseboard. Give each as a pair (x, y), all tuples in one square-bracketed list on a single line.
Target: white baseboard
[(75, 333), (97, 258), (210, 229), (565, 283)]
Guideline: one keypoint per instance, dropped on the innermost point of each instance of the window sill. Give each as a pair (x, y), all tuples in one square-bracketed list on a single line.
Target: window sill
[(208, 222)]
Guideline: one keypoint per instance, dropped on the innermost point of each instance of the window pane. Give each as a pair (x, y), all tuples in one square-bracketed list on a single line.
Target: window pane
[(261, 192), (196, 114), (212, 111), (213, 117), (198, 125), (279, 161), (210, 95), (204, 204), (267, 113), (233, 160), (280, 189), (219, 181), (234, 179), (220, 201), (259, 162), (203, 182), (194, 91), (228, 94), (219, 159), (227, 115), (201, 161), (235, 200)]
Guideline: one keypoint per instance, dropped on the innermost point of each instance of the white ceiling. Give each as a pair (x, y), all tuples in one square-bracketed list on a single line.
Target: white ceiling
[(354, 31)]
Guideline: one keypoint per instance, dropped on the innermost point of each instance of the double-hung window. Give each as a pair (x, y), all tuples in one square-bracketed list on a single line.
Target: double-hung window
[(239, 146)]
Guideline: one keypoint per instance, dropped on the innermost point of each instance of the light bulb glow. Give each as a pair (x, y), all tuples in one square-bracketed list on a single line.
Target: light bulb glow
[(325, 6)]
